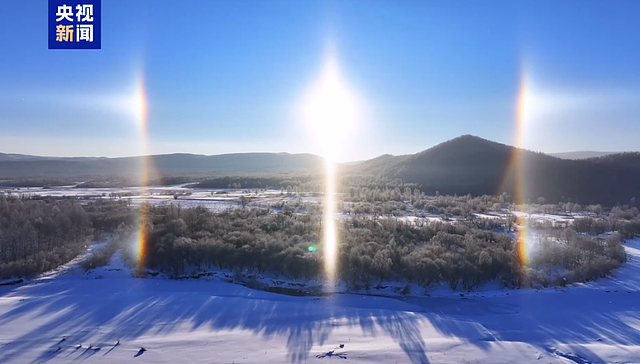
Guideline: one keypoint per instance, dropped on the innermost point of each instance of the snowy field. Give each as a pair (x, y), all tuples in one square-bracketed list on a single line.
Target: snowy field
[(213, 199), (107, 316), (219, 200)]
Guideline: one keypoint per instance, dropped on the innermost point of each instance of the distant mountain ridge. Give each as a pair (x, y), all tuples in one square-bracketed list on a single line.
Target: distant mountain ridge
[(463, 165), (19, 166), (581, 154)]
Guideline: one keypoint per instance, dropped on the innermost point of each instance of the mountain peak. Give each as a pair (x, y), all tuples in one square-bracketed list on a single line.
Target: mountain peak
[(469, 137)]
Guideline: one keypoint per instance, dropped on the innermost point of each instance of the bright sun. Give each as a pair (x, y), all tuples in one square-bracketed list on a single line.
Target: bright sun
[(330, 111)]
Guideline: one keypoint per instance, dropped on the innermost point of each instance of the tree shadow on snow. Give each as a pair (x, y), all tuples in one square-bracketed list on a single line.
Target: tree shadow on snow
[(127, 309), (105, 311)]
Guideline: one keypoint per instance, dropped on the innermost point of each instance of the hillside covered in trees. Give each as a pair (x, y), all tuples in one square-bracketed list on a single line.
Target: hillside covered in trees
[(477, 166)]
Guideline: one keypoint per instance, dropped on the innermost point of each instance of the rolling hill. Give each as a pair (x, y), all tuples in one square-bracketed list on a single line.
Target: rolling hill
[(165, 165), (470, 164), (379, 166)]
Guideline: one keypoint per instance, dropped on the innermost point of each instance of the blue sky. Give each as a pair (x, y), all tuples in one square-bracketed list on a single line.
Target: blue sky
[(228, 76)]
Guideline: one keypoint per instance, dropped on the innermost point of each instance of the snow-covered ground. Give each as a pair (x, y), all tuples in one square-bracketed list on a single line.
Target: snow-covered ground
[(213, 199), (219, 200), (108, 316)]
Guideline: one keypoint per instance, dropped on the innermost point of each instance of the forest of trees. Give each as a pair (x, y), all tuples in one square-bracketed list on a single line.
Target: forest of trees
[(36, 236), (184, 241), (39, 234), (573, 258)]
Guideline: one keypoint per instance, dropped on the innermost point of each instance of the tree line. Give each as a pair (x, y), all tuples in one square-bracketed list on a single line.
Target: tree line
[(40, 234), (461, 254), (37, 235)]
